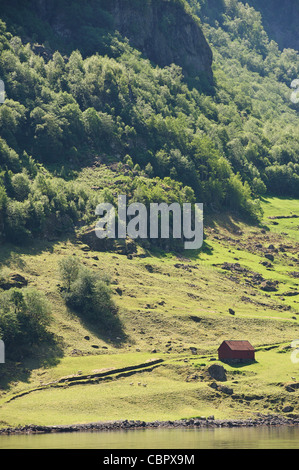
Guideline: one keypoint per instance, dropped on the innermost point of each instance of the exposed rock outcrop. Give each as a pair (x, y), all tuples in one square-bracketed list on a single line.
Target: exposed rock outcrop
[(217, 372), (196, 423), (280, 20), (163, 30), (14, 280), (165, 33)]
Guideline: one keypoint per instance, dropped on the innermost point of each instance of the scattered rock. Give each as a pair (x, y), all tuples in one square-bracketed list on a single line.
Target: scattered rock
[(199, 422), (293, 216), (195, 319), (14, 280), (214, 385), (42, 51), (269, 286), (217, 372), (292, 387), (269, 256), (76, 352), (149, 268), (290, 294), (226, 390), (288, 409), (266, 264), (295, 274), (185, 267), (85, 248), (234, 267)]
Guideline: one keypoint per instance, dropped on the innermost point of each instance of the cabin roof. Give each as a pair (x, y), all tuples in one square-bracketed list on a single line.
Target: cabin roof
[(239, 345)]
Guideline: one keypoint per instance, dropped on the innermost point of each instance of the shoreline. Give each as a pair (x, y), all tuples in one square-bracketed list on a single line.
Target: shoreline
[(126, 425)]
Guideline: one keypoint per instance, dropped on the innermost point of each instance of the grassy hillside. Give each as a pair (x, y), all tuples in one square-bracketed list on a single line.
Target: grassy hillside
[(167, 305), (134, 331)]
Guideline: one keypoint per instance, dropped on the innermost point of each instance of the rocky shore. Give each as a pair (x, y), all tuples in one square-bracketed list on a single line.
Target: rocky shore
[(196, 423)]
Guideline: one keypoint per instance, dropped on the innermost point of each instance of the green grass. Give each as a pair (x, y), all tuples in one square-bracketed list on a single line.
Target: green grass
[(182, 303), (274, 207), (169, 394)]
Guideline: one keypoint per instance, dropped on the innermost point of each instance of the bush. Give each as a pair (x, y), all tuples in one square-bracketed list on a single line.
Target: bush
[(69, 270), (88, 294), (21, 186), (24, 317)]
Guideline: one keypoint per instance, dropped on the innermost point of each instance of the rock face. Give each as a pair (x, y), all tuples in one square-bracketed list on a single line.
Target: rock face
[(217, 372), (269, 286), (280, 20), (165, 33), (161, 29), (14, 280)]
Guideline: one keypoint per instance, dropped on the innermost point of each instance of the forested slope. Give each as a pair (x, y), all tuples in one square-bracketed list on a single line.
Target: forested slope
[(225, 143), (280, 20)]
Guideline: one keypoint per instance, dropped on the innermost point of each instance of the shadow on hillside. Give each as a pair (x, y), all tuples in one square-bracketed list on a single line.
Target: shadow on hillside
[(194, 255), (226, 221), (10, 253), (108, 329), (265, 200), (239, 365), (19, 367)]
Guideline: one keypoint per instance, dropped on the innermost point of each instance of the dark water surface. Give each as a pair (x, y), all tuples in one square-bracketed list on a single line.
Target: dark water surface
[(237, 438)]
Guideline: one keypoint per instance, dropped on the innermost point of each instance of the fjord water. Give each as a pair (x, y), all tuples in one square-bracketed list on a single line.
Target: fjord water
[(236, 438)]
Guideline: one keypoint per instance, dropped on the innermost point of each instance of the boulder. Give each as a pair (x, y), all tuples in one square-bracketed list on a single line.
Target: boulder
[(217, 372), (288, 409), (269, 286), (13, 280), (226, 390)]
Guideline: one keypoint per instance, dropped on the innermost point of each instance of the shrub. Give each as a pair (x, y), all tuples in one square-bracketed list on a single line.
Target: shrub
[(88, 294), (69, 270), (21, 186), (24, 318)]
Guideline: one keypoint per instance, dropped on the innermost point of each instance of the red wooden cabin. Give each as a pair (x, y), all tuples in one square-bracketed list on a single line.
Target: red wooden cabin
[(236, 351)]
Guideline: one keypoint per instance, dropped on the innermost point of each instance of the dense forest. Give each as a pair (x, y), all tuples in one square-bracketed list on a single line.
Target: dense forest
[(68, 103)]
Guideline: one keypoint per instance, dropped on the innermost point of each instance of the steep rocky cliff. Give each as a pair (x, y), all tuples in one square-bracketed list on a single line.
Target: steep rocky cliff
[(165, 33), (161, 29), (280, 20)]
